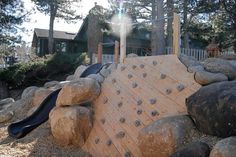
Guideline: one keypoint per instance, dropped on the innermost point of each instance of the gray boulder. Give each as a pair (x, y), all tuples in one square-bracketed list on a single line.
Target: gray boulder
[(97, 77), (5, 115), (205, 78), (29, 92), (164, 136), (196, 149), (213, 109), (224, 148), (6, 101), (188, 61), (217, 65), (51, 84), (79, 71), (193, 69)]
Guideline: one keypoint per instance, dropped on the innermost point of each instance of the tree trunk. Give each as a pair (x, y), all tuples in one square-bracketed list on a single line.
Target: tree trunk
[(158, 36), (94, 33), (53, 11), (154, 30), (185, 25), (170, 13)]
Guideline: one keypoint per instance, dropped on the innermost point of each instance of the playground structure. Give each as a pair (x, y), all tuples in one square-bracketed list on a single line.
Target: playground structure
[(141, 90), (137, 92)]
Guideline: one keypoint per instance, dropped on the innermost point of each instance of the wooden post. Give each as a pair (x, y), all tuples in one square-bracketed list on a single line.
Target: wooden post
[(122, 42), (116, 55), (176, 34), (99, 60)]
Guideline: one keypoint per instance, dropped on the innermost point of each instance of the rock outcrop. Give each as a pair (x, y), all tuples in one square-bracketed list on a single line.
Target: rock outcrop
[(71, 125), (205, 78), (225, 148), (77, 92), (217, 65), (196, 149), (213, 109), (78, 72), (29, 92), (163, 137), (39, 95)]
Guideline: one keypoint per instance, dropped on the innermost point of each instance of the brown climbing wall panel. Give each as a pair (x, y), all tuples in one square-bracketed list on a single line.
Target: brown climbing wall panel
[(138, 92)]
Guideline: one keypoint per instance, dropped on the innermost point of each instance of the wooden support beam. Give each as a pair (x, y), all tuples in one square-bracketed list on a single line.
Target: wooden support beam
[(176, 34), (99, 57), (116, 55), (123, 42)]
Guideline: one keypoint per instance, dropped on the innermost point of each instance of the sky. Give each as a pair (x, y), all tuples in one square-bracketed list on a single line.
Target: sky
[(40, 20)]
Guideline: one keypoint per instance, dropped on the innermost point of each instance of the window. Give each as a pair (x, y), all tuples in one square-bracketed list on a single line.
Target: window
[(61, 47)]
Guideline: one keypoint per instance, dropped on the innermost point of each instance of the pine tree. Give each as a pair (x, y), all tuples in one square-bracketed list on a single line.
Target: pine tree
[(57, 9)]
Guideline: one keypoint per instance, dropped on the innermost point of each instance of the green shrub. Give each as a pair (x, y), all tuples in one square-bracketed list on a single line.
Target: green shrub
[(41, 71)]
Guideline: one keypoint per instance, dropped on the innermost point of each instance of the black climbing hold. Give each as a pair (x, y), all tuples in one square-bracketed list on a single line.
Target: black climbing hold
[(97, 140), (130, 76), (109, 142), (134, 66), (103, 121), (122, 120), (121, 134), (153, 101), (139, 111), (154, 113), (163, 76), (127, 154), (119, 104), (122, 68), (144, 75), (139, 102), (180, 87), (168, 91), (113, 81), (137, 123), (134, 85), (154, 63), (118, 92), (105, 99)]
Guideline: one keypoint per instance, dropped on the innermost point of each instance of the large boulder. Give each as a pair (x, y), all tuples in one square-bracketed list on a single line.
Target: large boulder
[(5, 115), (205, 78), (164, 136), (224, 148), (213, 109), (40, 95), (71, 125), (97, 77), (4, 93), (196, 149), (70, 78), (77, 92), (79, 71), (193, 69), (51, 84), (188, 61), (29, 92), (6, 101), (217, 65)]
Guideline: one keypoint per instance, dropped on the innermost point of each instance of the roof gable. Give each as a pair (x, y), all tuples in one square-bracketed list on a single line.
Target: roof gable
[(44, 33)]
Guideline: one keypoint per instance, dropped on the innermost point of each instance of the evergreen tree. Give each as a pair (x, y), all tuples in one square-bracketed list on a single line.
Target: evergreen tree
[(57, 9), (11, 16)]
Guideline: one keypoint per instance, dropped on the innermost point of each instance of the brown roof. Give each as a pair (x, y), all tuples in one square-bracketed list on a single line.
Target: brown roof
[(56, 35)]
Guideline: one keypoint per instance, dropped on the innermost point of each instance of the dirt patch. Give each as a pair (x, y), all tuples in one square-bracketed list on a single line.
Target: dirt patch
[(39, 142)]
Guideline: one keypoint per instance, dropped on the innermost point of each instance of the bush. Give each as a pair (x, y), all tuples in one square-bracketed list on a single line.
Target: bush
[(41, 71)]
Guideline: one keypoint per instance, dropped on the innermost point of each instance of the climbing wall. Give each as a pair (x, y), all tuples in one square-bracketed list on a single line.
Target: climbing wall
[(138, 92)]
